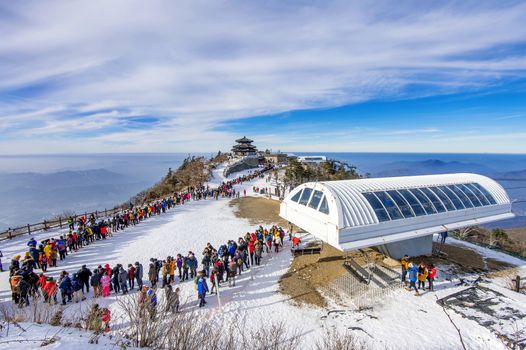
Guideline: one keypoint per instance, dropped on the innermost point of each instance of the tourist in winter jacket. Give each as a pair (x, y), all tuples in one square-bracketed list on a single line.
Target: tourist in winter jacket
[(185, 268), (123, 280), (77, 288), (152, 275), (35, 254), (66, 288), (138, 274), (115, 279), (180, 265), (151, 302), (432, 271), (171, 270), (131, 276), (105, 282), (23, 292), (172, 299), (15, 265), (258, 252), (192, 264), (202, 289), (84, 274), (412, 276), (50, 290), (231, 276), (422, 275), (405, 263), (206, 264), (95, 282)]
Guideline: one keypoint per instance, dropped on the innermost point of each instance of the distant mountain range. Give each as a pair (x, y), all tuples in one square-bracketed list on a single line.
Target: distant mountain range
[(62, 179), (50, 194), (435, 166)]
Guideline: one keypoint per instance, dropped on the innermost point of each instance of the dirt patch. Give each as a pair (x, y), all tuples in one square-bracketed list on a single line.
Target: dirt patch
[(463, 260), (514, 240), (259, 211), (517, 234), (308, 272)]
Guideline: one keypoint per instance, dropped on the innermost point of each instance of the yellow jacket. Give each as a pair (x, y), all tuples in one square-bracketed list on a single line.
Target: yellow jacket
[(405, 263), (422, 276)]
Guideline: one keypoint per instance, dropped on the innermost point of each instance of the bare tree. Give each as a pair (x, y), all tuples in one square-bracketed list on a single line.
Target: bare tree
[(335, 340)]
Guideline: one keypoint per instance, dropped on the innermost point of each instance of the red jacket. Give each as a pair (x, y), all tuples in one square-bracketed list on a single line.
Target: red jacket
[(42, 281), (432, 273), (251, 246), (51, 288)]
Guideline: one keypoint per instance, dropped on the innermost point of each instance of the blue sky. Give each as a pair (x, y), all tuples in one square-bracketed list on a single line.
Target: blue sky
[(130, 76)]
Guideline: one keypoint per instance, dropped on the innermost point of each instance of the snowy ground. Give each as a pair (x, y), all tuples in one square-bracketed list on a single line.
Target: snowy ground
[(400, 321)]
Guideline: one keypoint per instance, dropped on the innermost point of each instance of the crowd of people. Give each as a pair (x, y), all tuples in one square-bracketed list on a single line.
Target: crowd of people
[(414, 273), (220, 265)]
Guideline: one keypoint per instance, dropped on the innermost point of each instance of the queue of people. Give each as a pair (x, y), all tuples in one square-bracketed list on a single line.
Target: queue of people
[(222, 265)]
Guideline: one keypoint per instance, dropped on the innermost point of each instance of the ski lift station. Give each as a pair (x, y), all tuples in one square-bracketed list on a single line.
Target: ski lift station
[(399, 215)]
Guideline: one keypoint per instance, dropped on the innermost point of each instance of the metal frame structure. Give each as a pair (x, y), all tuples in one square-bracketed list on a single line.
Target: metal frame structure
[(353, 214)]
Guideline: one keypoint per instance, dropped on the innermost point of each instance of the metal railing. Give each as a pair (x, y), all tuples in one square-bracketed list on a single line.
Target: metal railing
[(60, 222)]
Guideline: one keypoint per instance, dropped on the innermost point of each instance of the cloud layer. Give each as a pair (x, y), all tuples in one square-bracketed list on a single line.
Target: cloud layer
[(85, 76)]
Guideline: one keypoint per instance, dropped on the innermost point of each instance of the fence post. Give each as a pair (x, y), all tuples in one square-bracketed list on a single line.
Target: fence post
[(45, 225), (60, 221), (9, 233), (96, 214), (29, 229), (518, 284), (105, 212)]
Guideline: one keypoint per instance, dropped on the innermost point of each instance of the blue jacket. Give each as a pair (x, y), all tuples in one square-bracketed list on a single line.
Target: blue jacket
[(231, 250), (32, 243), (153, 297), (202, 286), (75, 284), (65, 284), (413, 273)]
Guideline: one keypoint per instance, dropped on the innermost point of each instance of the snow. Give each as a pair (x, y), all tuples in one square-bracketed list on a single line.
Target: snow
[(400, 321)]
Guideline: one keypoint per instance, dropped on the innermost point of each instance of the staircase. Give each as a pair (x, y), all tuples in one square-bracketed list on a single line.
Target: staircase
[(365, 284)]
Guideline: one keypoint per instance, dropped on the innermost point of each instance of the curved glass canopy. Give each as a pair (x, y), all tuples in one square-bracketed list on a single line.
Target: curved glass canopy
[(408, 203)]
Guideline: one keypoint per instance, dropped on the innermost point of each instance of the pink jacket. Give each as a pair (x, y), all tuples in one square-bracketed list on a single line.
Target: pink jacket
[(105, 281)]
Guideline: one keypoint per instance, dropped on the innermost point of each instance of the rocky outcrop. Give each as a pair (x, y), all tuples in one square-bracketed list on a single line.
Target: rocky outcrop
[(242, 164)]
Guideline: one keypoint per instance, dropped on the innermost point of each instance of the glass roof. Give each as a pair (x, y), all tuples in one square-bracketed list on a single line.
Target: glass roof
[(407, 203)]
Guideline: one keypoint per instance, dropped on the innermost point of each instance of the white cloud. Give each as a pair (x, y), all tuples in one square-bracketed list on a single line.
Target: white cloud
[(197, 64)]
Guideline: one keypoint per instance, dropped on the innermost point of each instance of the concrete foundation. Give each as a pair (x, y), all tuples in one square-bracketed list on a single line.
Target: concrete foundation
[(412, 247)]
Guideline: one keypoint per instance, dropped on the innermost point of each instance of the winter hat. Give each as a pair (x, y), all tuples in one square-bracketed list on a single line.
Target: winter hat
[(17, 257)]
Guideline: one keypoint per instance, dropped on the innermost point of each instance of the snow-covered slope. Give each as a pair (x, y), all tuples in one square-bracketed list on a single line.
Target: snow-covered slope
[(400, 321)]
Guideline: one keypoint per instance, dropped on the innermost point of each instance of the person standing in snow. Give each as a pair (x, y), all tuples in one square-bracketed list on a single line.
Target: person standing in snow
[(405, 263), (432, 271), (422, 275), (105, 282), (151, 302), (412, 275), (138, 274), (115, 278), (202, 289), (152, 274), (84, 275), (179, 265), (123, 280), (232, 268), (66, 288), (77, 288), (95, 282), (131, 276)]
